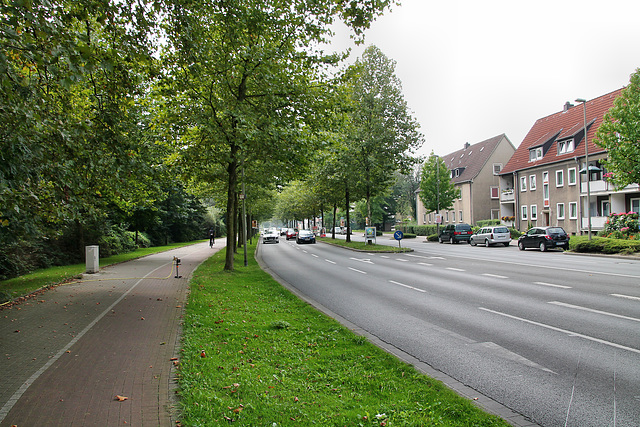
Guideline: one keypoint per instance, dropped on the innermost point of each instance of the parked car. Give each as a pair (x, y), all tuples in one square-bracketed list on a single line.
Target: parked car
[(544, 238), (497, 235), (454, 233), (340, 230), (270, 236), (291, 233), (305, 236)]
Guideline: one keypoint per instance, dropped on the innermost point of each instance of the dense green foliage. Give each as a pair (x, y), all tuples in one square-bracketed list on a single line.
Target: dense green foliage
[(603, 245), (437, 191), (619, 133), (254, 354)]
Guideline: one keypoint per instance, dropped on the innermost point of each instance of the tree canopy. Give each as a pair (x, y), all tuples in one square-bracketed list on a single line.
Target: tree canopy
[(437, 191), (619, 133)]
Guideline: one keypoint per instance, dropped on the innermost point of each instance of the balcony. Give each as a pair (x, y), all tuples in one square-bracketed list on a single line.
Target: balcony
[(597, 223), (507, 196), (602, 186)]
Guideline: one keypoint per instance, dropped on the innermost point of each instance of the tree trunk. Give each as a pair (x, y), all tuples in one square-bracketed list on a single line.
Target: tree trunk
[(232, 171), (346, 196), (333, 226)]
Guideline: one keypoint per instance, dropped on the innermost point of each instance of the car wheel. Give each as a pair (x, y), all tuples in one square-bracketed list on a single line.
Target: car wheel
[(452, 240), (486, 243), (521, 246), (472, 242), (506, 244), (543, 246)]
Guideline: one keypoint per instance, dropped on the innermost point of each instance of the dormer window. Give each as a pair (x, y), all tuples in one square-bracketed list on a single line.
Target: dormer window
[(535, 154), (566, 146)]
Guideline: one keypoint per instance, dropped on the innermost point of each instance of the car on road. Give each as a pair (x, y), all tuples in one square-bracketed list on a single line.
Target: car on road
[(340, 230), (270, 236), (454, 233), (305, 236), (494, 235), (544, 238), (291, 233)]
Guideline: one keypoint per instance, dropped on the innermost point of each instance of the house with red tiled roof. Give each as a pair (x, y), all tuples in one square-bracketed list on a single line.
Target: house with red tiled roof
[(545, 182), (475, 171)]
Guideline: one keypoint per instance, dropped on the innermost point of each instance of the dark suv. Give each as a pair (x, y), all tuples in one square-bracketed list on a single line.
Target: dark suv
[(544, 238), (455, 233)]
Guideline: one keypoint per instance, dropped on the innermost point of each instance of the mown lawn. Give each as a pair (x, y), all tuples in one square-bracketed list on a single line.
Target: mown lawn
[(24, 285), (255, 355)]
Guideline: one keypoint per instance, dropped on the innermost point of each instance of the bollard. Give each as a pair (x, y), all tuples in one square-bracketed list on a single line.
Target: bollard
[(92, 256)]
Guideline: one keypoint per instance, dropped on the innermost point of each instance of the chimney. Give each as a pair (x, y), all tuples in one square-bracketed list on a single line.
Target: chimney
[(567, 105), (466, 145)]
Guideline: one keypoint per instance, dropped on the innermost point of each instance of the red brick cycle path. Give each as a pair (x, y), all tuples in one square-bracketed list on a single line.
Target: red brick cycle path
[(68, 352)]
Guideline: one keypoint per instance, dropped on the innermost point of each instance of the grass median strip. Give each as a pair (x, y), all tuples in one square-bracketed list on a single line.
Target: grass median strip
[(256, 355)]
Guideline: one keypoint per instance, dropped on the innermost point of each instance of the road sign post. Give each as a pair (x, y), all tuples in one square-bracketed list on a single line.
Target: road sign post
[(398, 235)]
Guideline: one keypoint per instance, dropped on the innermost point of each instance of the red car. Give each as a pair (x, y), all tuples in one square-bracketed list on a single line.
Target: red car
[(291, 233)]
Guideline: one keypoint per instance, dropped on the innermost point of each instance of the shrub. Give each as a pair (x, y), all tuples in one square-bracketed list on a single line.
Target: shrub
[(409, 236), (432, 238), (603, 245), (514, 233), (487, 222)]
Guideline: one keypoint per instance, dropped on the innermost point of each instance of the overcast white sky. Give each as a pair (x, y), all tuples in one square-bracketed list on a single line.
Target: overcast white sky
[(473, 69)]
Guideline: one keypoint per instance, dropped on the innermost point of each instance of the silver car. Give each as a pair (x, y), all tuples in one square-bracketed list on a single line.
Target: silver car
[(491, 236)]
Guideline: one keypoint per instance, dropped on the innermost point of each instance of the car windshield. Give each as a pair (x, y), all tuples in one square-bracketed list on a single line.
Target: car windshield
[(556, 230), (463, 227), (501, 230), (305, 233)]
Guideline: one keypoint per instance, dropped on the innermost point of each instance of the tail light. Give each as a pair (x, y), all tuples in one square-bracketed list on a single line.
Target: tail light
[(456, 232), (548, 237)]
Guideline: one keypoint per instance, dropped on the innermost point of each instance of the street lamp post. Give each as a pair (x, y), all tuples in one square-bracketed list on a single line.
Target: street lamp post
[(586, 160)]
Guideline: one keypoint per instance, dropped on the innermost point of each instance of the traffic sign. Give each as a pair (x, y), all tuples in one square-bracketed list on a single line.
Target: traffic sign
[(398, 235)]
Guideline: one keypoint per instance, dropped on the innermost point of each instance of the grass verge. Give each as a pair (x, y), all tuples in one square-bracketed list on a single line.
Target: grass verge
[(25, 285), (255, 355), (362, 246)]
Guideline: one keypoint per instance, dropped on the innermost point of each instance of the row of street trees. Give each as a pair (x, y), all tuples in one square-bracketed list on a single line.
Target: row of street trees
[(110, 107)]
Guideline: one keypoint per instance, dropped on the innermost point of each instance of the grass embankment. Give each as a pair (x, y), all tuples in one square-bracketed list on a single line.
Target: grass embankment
[(256, 355), (362, 246), (24, 285)]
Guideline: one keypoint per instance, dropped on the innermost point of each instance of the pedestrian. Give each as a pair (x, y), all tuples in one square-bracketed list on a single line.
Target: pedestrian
[(212, 237)]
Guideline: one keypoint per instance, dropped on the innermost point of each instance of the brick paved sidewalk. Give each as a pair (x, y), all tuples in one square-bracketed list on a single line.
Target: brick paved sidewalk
[(69, 352)]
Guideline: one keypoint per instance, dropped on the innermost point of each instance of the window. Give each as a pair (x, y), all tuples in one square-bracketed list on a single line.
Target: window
[(424, 218), (560, 210), (545, 194), (534, 212), (446, 216), (545, 177), (535, 154), (572, 176), (497, 167), (573, 210), (605, 208), (559, 178), (532, 182), (460, 212), (635, 205), (453, 216), (495, 192), (523, 213), (565, 146), (523, 183)]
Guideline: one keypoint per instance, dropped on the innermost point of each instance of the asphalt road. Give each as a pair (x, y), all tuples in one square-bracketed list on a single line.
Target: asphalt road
[(554, 337)]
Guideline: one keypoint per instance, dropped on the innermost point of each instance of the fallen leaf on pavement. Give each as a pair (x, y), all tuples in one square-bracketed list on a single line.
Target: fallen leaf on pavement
[(121, 398)]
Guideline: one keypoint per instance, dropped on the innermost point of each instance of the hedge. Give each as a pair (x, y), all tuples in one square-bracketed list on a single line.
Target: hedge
[(603, 245)]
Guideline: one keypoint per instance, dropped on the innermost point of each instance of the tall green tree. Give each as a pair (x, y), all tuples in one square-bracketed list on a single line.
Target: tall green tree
[(71, 144), (437, 191), (248, 82), (383, 134), (619, 133)]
